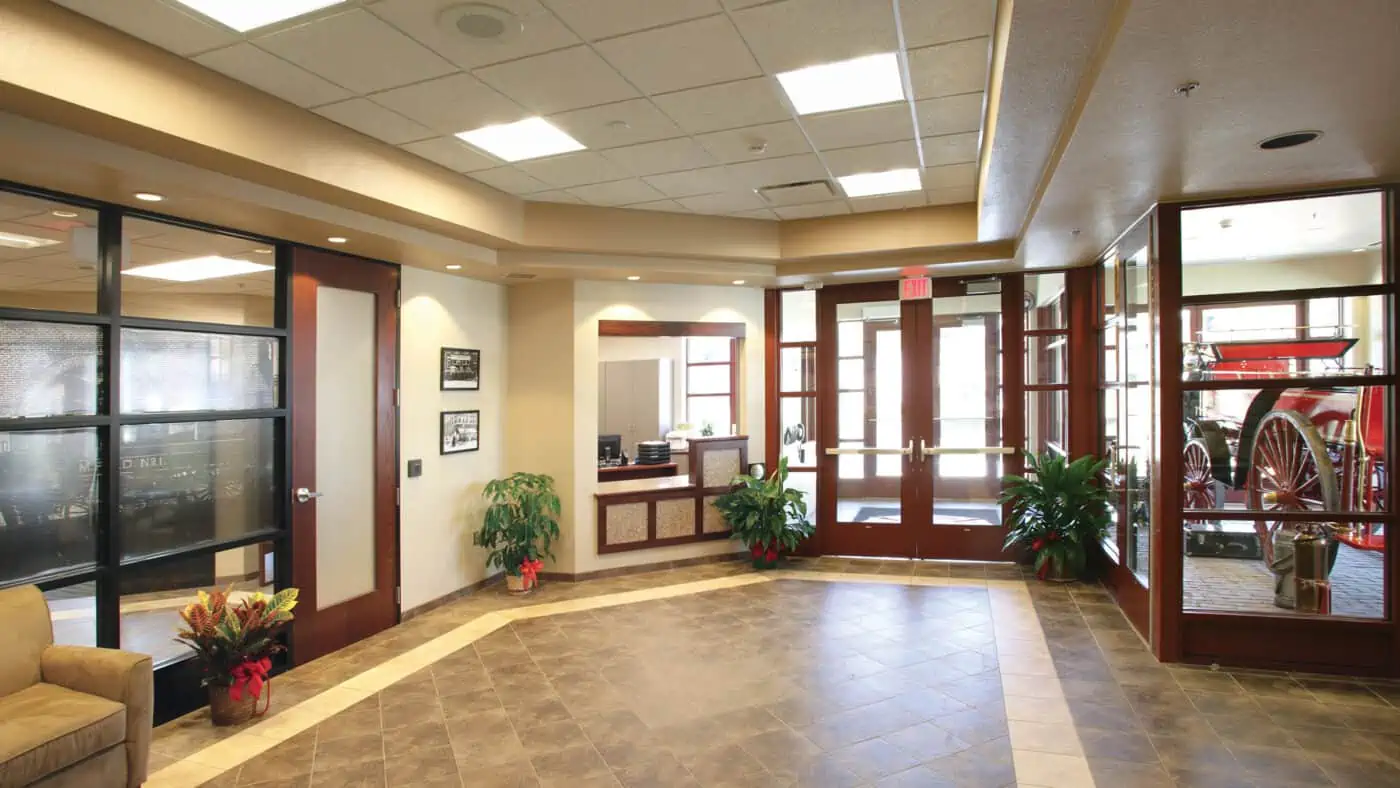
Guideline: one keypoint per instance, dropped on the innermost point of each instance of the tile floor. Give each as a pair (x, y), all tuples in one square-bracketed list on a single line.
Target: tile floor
[(837, 672)]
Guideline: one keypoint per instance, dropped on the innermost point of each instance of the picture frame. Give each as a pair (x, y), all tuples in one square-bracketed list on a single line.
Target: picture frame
[(460, 431), (460, 369)]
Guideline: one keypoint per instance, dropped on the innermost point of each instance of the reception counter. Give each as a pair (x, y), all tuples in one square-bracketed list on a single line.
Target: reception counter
[(637, 514)]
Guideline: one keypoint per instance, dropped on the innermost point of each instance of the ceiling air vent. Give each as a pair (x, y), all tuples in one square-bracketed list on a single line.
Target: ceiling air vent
[(799, 193), (520, 276)]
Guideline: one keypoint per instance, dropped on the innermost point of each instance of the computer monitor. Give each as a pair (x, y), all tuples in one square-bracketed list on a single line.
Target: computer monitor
[(609, 447)]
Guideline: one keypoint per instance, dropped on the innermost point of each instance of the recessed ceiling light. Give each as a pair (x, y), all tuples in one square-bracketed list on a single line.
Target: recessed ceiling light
[(454, 267), (197, 269), (338, 239), (66, 214), (17, 241), (859, 82), (633, 278), (1359, 250), (148, 196), (245, 15), (530, 138), (867, 184), (262, 251), (738, 281), (1290, 140)]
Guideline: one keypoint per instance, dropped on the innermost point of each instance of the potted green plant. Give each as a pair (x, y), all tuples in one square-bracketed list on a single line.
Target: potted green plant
[(521, 523), (1058, 509), (234, 643), (766, 515)]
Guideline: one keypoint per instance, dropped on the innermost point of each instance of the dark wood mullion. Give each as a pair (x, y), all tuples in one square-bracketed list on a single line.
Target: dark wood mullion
[(109, 536), (1272, 296), (1316, 381), (772, 384)]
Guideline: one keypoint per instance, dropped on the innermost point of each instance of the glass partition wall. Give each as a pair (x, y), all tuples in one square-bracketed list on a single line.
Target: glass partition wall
[(1248, 395), (142, 420)]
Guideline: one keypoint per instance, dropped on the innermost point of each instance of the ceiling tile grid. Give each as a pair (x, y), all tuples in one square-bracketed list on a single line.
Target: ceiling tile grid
[(676, 101)]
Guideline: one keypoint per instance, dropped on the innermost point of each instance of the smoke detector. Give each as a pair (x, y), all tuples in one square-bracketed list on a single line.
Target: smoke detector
[(481, 22)]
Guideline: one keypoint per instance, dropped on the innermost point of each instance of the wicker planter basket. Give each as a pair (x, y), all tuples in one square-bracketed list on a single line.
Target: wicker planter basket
[(516, 584), (224, 710)]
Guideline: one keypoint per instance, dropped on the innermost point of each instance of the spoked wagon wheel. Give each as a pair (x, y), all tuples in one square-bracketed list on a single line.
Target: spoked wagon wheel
[(1290, 471), (1199, 481)]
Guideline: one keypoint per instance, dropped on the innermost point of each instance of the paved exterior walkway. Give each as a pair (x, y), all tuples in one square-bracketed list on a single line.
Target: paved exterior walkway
[(835, 672)]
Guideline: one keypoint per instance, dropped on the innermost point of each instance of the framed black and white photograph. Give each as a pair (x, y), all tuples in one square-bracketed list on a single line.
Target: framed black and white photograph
[(461, 369), (461, 431)]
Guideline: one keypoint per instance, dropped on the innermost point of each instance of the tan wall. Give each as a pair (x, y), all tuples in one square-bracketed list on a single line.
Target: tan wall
[(540, 412)]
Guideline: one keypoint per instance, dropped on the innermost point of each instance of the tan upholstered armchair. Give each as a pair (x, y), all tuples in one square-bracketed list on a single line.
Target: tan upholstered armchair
[(69, 715)]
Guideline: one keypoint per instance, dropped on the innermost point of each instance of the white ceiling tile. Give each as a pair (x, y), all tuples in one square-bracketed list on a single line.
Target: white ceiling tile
[(271, 74), (686, 184), (654, 158), (797, 33), (951, 195), (950, 69), (356, 50), (726, 202), (687, 55), (164, 25), (777, 139), (450, 104), (872, 158), (887, 202), (866, 126), (833, 208), (771, 172), (594, 20), (623, 192), (950, 149), (950, 114), (573, 169), (615, 125), (509, 179), (731, 106), (670, 206), (366, 117), (453, 154), (928, 22), (558, 81), (540, 31), (758, 213), (950, 176), (553, 195)]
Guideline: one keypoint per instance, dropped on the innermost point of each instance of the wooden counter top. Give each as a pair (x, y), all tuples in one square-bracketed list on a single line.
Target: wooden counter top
[(633, 486)]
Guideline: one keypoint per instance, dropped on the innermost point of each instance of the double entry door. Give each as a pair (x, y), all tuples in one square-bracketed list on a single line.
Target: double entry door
[(912, 430)]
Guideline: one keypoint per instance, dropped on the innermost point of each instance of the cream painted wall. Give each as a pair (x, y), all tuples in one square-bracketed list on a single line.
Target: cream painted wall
[(443, 507), (595, 301)]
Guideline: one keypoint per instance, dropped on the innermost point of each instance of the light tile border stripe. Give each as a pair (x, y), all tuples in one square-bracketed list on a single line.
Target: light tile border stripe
[(1035, 710)]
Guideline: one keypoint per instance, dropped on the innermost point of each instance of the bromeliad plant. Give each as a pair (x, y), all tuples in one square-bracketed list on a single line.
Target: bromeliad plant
[(766, 515), (1058, 509), (234, 641), (520, 525)]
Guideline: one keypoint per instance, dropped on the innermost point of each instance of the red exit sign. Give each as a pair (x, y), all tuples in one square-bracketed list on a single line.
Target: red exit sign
[(915, 288)]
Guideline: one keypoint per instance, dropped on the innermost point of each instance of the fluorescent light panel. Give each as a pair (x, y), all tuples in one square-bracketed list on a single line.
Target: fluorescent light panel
[(16, 241), (245, 15), (530, 138), (197, 269), (859, 82), (869, 184)]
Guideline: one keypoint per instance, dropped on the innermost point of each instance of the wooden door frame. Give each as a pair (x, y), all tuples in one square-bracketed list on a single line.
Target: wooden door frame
[(314, 634)]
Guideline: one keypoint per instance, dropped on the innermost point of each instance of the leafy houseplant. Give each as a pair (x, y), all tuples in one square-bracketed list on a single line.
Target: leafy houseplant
[(234, 643), (766, 515), (520, 524), (1058, 509)]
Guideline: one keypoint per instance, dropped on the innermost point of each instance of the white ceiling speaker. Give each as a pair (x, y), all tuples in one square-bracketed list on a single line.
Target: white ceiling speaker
[(482, 22)]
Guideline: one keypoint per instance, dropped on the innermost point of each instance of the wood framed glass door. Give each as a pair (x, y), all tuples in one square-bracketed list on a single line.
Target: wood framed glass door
[(910, 393)]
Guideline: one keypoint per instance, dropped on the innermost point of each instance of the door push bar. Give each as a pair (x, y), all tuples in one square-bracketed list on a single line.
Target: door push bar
[(868, 450)]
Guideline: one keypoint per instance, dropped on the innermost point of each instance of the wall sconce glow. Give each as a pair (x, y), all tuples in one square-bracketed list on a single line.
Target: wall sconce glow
[(17, 241), (338, 239), (530, 138), (634, 278), (859, 82), (197, 269), (868, 184), (245, 15), (148, 196), (454, 267)]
